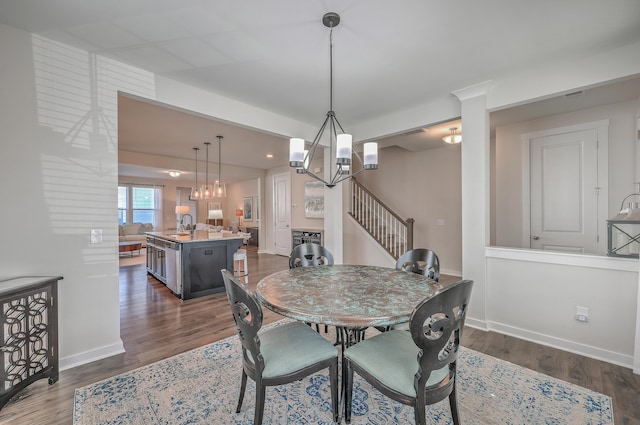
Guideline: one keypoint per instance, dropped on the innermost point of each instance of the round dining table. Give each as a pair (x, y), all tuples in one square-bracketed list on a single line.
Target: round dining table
[(347, 296)]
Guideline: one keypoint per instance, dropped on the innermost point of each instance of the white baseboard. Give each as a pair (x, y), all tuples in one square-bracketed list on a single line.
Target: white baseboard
[(91, 356), (475, 323), (561, 344), (451, 272)]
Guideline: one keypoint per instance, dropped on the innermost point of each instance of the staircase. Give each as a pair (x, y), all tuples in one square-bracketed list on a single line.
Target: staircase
[(393, 233)]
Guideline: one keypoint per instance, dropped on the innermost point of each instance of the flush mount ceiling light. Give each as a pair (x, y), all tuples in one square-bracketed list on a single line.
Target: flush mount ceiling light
[(174, 173), (301, 158), (453, 138), (195, 190), (219, 187)]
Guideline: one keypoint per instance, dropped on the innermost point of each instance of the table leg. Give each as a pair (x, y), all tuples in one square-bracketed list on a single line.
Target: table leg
[(348, 337)]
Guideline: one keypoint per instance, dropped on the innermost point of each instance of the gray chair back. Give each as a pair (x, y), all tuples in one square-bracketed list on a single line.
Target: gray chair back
[(247, 315), (309, 255), (422, 261), (436, 325)]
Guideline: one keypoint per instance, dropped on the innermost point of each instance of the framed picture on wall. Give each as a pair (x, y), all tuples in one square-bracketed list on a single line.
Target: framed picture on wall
[(213, 206), (314, 200), (247, 209), (256, 206)]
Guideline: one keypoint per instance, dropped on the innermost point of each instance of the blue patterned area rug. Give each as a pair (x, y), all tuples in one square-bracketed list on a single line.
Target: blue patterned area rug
[(201, 387)]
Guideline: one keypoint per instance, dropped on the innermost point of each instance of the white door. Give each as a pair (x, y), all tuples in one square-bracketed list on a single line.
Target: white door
[(282, 213), (564, 192)]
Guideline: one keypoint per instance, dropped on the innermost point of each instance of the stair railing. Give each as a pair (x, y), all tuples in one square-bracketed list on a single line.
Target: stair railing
[(392, 232)]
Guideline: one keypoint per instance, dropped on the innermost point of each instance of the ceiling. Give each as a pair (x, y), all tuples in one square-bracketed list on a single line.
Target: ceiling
[(275, 55)]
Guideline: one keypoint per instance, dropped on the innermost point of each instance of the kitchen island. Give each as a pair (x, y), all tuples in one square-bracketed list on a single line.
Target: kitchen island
[(190, 263)]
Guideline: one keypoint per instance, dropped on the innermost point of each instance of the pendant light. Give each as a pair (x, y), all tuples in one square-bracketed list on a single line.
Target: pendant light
[(219, 188), (195, 190), (206, 191), (340, 143)]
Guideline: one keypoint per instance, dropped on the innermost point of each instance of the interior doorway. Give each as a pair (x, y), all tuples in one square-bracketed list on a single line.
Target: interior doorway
[(567, 182), (282, 213)]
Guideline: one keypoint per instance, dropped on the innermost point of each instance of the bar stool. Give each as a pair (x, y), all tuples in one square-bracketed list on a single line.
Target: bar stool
[(240, 259)]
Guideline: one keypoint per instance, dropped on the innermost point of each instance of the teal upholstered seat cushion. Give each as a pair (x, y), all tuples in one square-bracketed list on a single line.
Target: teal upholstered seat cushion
[(292, 347), (392, 358)]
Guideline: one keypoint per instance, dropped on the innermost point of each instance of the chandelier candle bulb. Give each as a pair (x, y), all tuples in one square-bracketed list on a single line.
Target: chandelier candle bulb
[(371, 155), (296, 152), (343, 149), (303, 169)]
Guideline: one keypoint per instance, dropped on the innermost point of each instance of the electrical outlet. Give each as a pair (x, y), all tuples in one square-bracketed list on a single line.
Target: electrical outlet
[(440, 222), (582, 314), (96, 235)]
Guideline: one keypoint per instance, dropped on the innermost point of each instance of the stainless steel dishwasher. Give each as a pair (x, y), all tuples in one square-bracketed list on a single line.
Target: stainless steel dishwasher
[(171, 267)]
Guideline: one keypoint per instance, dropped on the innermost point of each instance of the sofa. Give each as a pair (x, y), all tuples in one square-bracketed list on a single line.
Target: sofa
[(135, 232)]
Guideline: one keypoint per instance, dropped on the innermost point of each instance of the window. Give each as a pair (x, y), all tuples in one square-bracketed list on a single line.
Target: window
[(140, 204)]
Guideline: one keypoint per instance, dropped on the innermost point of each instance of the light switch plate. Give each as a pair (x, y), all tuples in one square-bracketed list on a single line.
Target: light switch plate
[(96, 235)]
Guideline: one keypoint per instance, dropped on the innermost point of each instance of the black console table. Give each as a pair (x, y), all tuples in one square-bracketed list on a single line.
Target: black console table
[(28, 333)]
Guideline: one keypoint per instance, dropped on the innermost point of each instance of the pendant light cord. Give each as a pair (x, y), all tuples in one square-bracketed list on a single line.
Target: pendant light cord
[(331, 66), (219, 159)]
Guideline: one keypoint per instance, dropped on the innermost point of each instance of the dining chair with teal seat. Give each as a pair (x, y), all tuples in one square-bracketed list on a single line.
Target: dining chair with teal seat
[(279, 355), (422, 261), (310, 254), (416, 368)]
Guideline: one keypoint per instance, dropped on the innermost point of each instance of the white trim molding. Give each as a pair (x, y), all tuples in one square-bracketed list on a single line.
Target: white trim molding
[(91, 356)]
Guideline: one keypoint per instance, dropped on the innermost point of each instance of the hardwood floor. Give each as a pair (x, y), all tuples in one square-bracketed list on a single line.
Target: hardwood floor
[(156, 325)]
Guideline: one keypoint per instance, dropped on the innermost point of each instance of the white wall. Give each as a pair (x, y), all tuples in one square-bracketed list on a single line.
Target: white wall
[(534, 295), (508, 182), (64, 183), (424, 186)]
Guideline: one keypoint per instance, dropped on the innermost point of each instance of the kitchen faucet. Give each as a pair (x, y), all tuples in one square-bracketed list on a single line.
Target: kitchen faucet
[(181, 228)]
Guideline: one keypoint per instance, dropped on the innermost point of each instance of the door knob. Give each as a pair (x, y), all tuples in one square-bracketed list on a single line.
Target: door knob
[(535, 238)]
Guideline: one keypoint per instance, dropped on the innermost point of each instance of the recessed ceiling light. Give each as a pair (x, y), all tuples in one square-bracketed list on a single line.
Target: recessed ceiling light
[(269, 155), (174, 173)]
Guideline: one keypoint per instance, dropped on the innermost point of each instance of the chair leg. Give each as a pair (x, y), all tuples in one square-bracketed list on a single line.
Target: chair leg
[(260, 395), (243, 386), (453, 402), (347, 376), (419, 409), (335, 404)]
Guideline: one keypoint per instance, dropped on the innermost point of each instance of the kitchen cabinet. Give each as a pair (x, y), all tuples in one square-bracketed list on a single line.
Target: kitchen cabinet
[(191, 262)]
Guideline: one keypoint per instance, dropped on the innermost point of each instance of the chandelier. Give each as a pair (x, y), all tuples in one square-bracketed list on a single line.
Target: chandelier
[(301, 158)]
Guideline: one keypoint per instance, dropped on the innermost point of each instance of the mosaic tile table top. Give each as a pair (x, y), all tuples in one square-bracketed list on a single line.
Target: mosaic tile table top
[(345, 295)]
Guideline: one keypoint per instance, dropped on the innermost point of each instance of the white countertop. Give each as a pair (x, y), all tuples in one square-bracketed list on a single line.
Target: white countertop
[(196, 236)]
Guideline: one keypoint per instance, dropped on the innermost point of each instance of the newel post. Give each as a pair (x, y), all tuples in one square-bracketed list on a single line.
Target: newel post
[(410, 222)]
